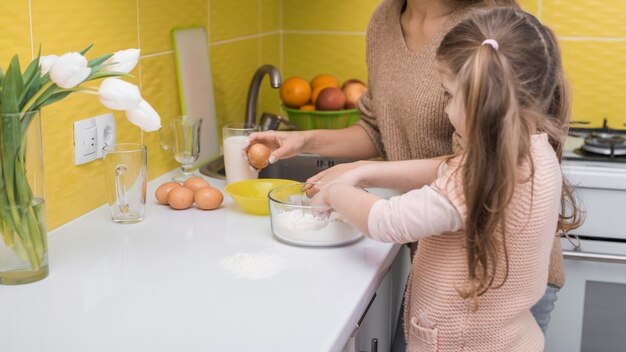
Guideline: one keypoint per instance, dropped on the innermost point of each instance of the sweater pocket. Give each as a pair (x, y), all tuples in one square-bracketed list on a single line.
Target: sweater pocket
[(421, 338)]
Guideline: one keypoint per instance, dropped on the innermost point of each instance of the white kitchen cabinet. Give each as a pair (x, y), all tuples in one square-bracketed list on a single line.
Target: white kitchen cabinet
[(379, 320)]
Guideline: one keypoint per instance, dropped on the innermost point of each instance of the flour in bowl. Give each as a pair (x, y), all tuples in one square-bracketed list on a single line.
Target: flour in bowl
[(301, 226)]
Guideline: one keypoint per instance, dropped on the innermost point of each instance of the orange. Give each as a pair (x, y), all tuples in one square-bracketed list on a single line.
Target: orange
[(295, 92), (324, 79), (317, 90), (308, 107)]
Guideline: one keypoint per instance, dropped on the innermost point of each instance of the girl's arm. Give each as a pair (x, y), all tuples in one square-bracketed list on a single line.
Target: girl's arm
[(400, 175), (403, 219)]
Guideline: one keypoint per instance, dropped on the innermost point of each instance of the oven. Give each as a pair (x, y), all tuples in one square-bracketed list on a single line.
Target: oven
[(590, 313)]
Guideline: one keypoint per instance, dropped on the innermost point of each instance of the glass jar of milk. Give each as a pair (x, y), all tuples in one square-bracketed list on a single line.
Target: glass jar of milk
[(234, 135)]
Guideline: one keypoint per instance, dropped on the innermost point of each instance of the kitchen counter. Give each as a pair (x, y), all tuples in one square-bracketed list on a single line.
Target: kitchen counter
[(190, 280)]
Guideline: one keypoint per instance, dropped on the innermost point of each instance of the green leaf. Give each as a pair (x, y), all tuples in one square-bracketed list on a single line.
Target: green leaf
[(99, 60), (84, 51), (103, 74), (54, 98), (32, 82), (43, 97), (12, 87), (30, 89), (32, 70)]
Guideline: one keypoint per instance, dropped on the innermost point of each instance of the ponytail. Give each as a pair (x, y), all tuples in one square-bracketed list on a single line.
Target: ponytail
[(499, 138)]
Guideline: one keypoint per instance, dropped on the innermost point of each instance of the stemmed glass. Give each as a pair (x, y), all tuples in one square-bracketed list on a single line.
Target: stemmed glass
[(182, 137)]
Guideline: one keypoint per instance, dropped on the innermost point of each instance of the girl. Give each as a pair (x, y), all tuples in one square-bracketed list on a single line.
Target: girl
[(485, 218)]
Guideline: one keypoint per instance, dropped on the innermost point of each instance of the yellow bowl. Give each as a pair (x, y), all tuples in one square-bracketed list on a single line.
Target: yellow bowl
[(251, 195)]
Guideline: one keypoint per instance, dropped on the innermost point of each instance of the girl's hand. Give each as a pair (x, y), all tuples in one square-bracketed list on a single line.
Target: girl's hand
[(318, 195), (282, 144), (348, 173)]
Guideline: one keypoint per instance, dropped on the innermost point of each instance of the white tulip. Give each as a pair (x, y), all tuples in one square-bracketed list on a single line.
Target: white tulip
[(116, 94), (46, 62), (145, 117), (69, 70), (123, 61)]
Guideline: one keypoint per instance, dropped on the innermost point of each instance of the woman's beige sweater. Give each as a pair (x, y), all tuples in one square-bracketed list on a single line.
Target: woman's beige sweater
[(403, 110)]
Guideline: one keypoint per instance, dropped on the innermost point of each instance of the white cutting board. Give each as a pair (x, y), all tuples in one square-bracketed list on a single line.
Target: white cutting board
[(195, 86)]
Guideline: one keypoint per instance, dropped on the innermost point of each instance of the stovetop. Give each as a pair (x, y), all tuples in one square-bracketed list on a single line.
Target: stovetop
[(604, 144), (573, 152), (600, 187)]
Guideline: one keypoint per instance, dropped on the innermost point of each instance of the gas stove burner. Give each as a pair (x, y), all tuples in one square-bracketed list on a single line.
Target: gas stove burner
[(605, 143)]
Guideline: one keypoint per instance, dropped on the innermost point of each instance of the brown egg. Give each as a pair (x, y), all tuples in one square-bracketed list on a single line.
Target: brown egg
[(208, 198), (258, 155), (195, 183), (163, 190), (180, 198)]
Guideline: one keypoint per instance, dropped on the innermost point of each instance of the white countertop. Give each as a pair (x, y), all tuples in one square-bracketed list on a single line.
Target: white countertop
[(190, 280)]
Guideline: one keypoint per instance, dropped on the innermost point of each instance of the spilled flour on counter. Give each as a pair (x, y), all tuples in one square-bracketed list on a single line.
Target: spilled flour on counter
[(252, 265)]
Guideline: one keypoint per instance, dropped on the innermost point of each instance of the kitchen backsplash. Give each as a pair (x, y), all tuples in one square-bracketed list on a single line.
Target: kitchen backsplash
[(300, 37), (593, 40)]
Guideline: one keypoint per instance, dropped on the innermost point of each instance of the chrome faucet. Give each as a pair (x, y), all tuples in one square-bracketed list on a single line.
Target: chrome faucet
[(255, 85)]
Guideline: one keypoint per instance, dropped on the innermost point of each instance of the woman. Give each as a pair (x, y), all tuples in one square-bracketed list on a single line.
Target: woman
[(402, 114), (485, 218)]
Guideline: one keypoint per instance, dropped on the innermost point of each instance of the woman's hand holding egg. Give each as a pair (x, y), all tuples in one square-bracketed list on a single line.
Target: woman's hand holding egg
[(195, 189), (258, 156), (281, 144)]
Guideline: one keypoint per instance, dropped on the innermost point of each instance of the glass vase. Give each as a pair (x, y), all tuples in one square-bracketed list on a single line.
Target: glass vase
[(23, 232)]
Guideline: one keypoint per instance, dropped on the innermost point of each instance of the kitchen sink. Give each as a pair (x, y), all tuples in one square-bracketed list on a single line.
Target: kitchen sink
[(297, 168)]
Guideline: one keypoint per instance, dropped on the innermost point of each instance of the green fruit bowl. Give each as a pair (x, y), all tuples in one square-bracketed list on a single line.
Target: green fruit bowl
[(312, 120)]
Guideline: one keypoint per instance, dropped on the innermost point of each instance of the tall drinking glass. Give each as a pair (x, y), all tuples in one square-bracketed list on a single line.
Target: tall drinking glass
[(125, 176), (234, 135), (182, 137)]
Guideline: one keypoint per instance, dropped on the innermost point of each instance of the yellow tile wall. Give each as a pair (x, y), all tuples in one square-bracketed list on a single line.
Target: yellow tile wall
[(593, 40), (327, 36), (299, 37), (241, 35)]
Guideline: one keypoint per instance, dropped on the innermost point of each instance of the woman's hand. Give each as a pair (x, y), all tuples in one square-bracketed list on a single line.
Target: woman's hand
[(282, 144)]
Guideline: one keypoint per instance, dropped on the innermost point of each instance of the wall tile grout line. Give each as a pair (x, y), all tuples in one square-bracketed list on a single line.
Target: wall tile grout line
[(592, 39), (139, 63), (539, 9), (156, 54), (317, 32), (208, 25), (30, 23), (138, 42), (281, 29), (260, 29), (246, 37)]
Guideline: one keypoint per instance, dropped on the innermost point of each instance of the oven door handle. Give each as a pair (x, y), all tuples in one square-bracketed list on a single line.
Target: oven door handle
[(594, 257)]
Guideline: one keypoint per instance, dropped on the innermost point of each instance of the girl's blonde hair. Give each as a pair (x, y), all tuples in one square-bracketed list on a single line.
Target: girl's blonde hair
[(509, 93)]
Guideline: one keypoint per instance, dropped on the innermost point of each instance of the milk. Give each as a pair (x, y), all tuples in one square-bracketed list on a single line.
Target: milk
[(237, 168)]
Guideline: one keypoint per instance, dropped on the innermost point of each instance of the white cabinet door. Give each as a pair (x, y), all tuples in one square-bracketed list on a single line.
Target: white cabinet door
[(381, 318)]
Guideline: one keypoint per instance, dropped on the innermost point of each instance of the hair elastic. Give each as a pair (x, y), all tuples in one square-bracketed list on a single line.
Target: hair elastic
[(492, 42)]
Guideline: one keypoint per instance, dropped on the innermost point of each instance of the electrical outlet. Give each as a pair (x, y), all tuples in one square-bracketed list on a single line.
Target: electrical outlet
[(105, 125), (91, 135), (85, 141)]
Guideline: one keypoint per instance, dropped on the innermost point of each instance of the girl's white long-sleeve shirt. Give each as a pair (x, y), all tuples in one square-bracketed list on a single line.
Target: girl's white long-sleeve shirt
[(414, 215)]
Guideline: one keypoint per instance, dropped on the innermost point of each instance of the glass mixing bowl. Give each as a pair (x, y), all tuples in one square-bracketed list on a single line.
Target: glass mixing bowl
[(295, 221)]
